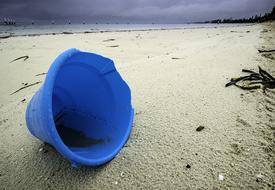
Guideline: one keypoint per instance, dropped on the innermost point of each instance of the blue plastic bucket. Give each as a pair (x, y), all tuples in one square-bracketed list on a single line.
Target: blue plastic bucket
[(83, 108)]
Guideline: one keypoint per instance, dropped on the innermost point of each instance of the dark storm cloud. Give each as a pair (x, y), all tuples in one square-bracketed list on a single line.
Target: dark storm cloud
[(133, 10)]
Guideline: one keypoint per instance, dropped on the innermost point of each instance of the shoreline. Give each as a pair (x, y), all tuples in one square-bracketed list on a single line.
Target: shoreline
[(10, 34)]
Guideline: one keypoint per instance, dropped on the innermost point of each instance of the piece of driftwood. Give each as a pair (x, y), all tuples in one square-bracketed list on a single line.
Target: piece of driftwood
[(25, 87), (253, 80), (266, 51), (25, 57)]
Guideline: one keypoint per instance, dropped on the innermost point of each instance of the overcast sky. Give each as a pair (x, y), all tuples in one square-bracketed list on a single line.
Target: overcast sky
[(143, 11)]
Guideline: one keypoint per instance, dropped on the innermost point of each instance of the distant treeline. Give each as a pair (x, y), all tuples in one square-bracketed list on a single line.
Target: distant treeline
[(253, 19)]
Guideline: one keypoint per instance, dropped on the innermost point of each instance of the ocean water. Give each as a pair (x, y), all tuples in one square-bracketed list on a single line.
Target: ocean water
[(18, 30)]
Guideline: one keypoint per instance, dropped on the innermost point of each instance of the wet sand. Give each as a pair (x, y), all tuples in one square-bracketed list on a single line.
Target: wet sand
[(177, 79)]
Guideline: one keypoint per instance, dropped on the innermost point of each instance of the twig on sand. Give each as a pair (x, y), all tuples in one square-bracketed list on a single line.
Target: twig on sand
[(176, 58), (266, 51), (40, 74), (26, 87), (113, 46), (108, 40), (256, 80), (25, 57)]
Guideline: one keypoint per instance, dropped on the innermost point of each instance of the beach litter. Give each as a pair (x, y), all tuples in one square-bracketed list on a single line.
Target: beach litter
[(253, 80), (79, 111), (221, 177), (200, 128)]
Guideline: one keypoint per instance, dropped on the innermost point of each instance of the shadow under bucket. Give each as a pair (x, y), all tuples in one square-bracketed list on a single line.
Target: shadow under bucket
[(83, 108)]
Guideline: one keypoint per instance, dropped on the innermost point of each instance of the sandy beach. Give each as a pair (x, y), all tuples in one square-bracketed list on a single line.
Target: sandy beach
[(177, 79)]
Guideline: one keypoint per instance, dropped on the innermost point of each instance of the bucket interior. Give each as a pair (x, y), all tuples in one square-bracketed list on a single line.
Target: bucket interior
[(84, 111)]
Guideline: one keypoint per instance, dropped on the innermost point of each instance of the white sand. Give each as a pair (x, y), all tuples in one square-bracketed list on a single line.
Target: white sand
[(172, 97)]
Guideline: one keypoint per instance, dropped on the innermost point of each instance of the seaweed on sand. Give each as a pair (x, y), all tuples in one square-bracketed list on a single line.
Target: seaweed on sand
[(254, 80)]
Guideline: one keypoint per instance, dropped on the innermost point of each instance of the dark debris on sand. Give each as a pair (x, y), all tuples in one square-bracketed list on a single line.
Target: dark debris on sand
[(254, 80), (266, 51), (26, 86), (25, 57), (109, 40), (200, 128), (113, 46), (188, 166)]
